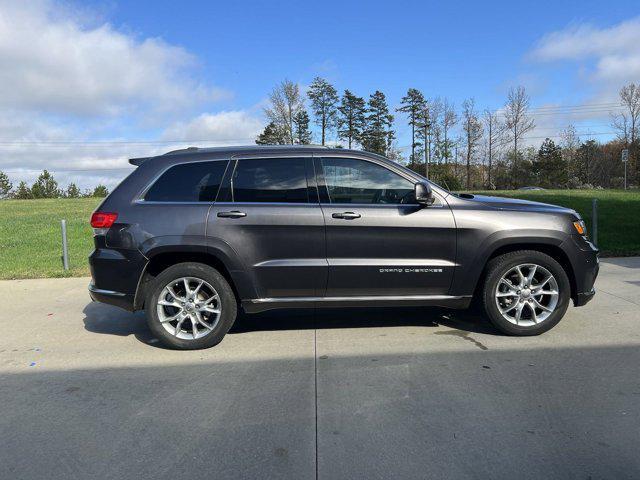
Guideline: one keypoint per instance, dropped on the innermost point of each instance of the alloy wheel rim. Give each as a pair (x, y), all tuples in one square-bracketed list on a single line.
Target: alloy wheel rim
[(527, 294), (189, 308)]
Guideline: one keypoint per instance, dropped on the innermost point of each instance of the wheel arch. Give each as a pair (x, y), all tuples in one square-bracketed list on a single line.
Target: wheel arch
[(162, 258), (549, 248)]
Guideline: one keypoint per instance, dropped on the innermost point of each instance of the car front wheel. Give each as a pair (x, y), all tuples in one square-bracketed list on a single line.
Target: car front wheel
[(190, 306), (525, 292)]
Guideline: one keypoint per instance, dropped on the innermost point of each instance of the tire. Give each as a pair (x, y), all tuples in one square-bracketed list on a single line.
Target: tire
[(212, 328), (516, 297)]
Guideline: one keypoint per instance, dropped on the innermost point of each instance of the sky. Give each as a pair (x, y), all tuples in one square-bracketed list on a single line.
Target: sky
[(86, 85)]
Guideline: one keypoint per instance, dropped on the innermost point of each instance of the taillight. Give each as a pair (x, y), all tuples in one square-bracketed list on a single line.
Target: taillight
[(103, 219)]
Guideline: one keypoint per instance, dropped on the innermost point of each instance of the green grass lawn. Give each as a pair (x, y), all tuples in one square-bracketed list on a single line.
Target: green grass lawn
[(618, 214), (30, 238)]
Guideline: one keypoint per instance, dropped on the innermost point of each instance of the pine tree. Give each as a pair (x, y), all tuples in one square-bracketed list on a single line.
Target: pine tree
[(45, 186), (23, 192), (413, 104), (272, 134), (324, 100), (100, 191), (378, 133), (351, 118), (301, 127), (5, 185), (424, 131), (550, 167), (73, 191)]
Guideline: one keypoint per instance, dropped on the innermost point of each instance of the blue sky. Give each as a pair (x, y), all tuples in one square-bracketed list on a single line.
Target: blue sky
[(454, 49), (159, 71)]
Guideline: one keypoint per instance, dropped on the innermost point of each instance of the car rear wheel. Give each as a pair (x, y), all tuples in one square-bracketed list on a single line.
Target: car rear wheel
[(190, 306), (525, 292)]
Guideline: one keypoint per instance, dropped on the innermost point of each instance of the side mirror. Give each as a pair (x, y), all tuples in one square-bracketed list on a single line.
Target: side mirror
[(424, 194)]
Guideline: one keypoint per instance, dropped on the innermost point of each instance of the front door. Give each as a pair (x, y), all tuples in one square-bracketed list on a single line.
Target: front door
[(269, 215), (380, 242)]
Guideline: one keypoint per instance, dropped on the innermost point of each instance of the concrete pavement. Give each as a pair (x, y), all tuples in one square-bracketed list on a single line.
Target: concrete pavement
[(85, 392)]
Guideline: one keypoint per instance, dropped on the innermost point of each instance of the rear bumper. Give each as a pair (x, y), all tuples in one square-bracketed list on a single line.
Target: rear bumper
[(118, 299), (115, 275)]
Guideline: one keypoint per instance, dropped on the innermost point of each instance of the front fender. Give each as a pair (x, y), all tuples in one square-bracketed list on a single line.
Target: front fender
[(472, 258)]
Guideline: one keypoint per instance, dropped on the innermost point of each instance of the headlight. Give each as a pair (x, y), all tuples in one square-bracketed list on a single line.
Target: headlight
[(580, 227)]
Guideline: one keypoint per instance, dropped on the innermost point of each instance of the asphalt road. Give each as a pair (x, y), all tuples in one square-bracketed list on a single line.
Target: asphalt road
[(85, 392)]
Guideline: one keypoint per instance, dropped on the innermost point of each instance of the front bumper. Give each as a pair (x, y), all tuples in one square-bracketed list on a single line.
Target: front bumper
[(585, 263), (584, 298)]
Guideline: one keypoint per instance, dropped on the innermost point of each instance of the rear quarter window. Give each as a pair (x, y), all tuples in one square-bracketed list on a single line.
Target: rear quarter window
[(188, 182)]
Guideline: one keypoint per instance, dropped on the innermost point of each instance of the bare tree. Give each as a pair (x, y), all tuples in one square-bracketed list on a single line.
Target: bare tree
[(445, 114), (435, 110), (628, 122), (570, 142), (517, 119), (495, 138), (286, 103), (472, 131)]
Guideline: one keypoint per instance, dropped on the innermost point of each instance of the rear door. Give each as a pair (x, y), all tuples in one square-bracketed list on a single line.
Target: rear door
[(380, 242), (268, 212)]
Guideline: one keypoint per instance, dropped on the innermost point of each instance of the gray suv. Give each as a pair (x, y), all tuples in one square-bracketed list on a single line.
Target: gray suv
[(193, 234)]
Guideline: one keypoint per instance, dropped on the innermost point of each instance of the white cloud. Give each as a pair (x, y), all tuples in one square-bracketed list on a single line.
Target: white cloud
[(231, 127), (53, 63), (75, 90), (608, 58)]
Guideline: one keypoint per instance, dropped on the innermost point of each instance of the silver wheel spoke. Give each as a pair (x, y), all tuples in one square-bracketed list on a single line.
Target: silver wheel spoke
[(170, 319), (506, 294), (187, 290), (210, 309), (523, 279), (194, 327), (178, 328), (202, 322), (540, 306), (209, 300), (195, 292), (173, 293), (509, 308), (543, 283), (534, 317), (547, 292), (532, 272), (169, 304), (519, 311)]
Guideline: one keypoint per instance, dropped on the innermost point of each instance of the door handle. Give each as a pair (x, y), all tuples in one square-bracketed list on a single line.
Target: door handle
[(346, 215), (232, 214)]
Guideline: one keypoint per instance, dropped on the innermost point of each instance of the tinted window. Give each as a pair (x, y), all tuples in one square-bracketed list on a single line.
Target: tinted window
[(189, 182), (281, 180), (358, 181)]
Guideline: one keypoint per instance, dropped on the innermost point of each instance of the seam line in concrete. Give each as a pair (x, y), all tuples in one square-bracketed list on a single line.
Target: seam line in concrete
[(618, 296)]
